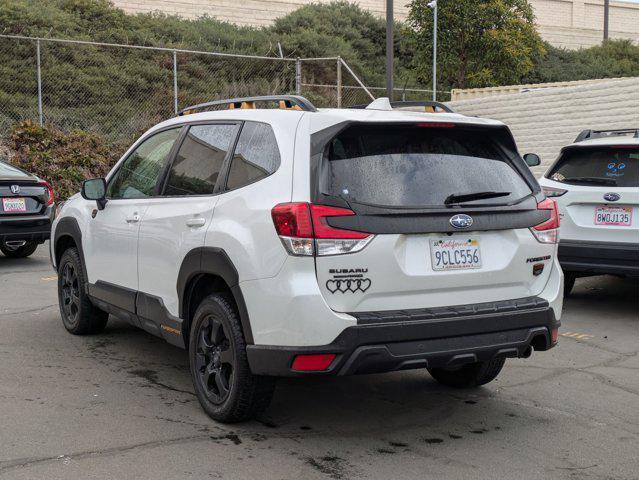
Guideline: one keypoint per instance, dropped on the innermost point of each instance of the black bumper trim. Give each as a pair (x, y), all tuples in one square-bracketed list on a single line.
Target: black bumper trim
[(27, 227), (599, 258), (434, 342), (364, 318)]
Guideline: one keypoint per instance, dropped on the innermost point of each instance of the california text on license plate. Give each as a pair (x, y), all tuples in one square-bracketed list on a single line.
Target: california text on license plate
[(454, 254), (14, 205), (619, 216)]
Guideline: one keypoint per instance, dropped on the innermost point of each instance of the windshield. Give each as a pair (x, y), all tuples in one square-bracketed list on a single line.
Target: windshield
[(415, 166), (7, 170), (605, 166)]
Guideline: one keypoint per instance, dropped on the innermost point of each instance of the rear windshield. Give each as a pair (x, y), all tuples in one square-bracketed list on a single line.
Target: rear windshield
[(616, 166), (419, 166), (7, 170)]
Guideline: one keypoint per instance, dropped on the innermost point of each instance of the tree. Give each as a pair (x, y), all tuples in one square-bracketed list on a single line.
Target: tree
[(480, 42)]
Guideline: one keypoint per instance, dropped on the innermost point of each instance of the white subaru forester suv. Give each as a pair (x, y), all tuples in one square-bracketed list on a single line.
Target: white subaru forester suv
[(295, 241), (595, 181)]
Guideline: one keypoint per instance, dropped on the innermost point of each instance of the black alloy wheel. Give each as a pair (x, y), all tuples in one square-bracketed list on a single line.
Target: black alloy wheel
[(214, 360), (70, 293)]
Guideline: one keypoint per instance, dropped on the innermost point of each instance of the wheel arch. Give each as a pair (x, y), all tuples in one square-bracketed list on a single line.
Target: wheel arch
[(68, 234), (207, 270)]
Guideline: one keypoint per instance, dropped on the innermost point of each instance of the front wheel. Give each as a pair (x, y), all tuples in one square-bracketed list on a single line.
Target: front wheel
[(21, 251), (223, 382), (468, 376), (79, 315)]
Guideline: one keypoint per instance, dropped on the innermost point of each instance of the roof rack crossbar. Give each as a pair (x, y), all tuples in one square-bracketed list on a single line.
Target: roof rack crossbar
[(414, 103), (291, 101), (589, 134)]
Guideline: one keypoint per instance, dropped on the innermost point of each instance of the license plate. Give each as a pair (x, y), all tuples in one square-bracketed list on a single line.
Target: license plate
[(453, 254), (14, 205), (618, 216)]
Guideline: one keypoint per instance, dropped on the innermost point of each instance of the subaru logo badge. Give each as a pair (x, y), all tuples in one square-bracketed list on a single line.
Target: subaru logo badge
[(461, 221), (612, 197), (15, 189)]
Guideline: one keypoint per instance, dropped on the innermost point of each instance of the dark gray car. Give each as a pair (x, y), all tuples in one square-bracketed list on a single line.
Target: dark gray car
[(26, 211)]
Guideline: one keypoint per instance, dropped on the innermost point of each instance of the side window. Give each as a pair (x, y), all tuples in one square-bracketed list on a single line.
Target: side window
[(256, 155), (200, 159), (139, 173)]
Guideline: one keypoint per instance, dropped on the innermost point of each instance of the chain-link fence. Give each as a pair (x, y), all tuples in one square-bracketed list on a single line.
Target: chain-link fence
[(119, 91)]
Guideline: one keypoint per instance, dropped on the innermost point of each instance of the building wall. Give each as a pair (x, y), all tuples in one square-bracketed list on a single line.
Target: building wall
[(545, 120), (245, 12), (565, 23)]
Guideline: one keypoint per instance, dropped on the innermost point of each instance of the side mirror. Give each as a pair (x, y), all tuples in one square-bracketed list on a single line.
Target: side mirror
[(95, 189), (532, 159)]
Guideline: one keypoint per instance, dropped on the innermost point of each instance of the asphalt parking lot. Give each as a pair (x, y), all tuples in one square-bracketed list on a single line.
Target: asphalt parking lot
[(121, 405)]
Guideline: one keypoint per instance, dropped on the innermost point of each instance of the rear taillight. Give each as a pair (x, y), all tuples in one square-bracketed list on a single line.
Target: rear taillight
[(51, 197), (548, 232), (304, 230)]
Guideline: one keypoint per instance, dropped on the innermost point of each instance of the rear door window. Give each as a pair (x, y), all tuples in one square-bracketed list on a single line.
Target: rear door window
[(199, 160), (256, 155), (615, 166), (418, 166)]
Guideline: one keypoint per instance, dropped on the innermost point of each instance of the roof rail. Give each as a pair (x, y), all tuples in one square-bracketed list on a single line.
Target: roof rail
[(293, 102), (434, 106), (590, 134)]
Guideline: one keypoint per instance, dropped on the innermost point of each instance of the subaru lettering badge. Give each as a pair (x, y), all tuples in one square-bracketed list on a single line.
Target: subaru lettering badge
[(461, 221), (15, 188), (612, 197)]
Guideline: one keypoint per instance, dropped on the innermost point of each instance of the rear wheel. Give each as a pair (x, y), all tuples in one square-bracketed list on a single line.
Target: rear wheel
[(569, 283), (79, 315), (15, 250), (468, 376), (224, 384)]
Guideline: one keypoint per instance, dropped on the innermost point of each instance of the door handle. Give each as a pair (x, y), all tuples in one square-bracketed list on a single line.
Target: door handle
[(195, 222), (135, 218)]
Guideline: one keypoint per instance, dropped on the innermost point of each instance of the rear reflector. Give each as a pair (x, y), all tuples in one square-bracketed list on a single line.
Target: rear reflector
[(548, 231), (554, 335), (313, 363), (304, 230)]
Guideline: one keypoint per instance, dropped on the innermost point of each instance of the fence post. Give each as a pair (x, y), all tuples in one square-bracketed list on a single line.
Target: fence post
[(175, 83), (298, 77), (339, 82), (39, 71)]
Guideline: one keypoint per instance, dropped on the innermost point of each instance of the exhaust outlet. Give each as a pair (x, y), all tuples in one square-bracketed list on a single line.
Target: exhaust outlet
[(528, 352)]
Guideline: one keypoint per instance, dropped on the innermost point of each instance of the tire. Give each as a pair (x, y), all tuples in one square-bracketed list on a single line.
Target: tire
[(19, 252), (79, 315), (469, 376), (223, 382), (569, 283)]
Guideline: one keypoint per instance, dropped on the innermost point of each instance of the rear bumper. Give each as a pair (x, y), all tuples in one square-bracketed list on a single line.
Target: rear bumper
[(599, 257), (438, 337), (28, 227)]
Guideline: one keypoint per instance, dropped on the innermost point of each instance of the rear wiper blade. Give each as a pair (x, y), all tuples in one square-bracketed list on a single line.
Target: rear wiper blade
[(596, 180), (468, 197)]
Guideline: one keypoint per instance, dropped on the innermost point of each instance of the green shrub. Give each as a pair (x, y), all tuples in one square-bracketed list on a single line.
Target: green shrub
[(63, 159)]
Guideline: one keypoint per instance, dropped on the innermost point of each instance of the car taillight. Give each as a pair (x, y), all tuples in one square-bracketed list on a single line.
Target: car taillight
[(553, 192), (51, 196), (548, 231), (304, 230)]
